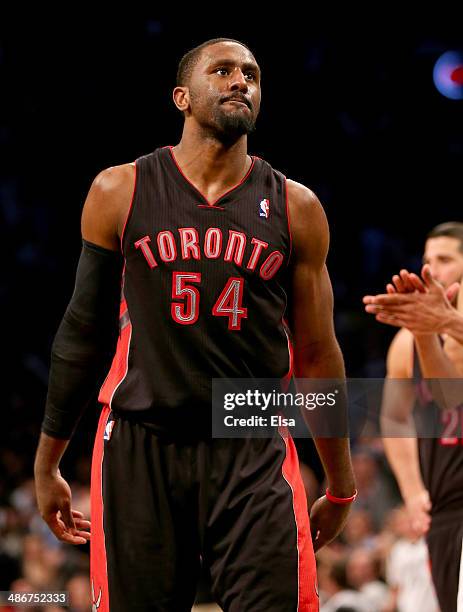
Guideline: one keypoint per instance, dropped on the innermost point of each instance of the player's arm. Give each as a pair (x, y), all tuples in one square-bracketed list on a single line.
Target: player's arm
[(396, 420), (83, 346), (316, 350)]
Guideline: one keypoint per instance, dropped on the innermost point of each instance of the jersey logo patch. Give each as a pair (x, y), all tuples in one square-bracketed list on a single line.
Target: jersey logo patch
[(108, 430), (264, 208)]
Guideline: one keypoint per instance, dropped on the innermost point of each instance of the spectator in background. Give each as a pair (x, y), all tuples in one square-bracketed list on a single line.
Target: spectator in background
[(362, 571), (408, 573), (359, 531), (79, 593), (374, 492), (337, 593)]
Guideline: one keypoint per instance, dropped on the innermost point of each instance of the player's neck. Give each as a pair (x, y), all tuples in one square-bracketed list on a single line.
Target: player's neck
[(209, 164)]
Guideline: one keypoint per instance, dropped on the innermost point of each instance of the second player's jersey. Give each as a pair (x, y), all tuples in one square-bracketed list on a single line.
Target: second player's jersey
[(440, 451), (203, 288)]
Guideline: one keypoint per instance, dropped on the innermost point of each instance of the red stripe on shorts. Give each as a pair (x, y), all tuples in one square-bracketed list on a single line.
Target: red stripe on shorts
[(98, 566), (307, 570)]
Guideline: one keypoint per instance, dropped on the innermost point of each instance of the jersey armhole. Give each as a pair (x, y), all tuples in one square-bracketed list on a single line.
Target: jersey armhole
[(129, 213)]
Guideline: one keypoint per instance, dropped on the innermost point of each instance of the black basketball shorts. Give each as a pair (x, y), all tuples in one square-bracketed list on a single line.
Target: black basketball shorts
[(161, 507), (445, 554)]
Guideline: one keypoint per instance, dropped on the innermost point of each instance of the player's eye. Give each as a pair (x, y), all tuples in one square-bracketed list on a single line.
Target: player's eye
[(222, 71), (250, 76)]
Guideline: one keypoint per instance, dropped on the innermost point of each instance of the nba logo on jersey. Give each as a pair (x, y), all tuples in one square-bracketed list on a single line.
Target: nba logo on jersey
[(108, 430), (264, 208)]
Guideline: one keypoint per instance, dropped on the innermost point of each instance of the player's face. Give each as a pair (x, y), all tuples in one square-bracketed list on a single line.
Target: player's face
[(225, 90), (445, 258)]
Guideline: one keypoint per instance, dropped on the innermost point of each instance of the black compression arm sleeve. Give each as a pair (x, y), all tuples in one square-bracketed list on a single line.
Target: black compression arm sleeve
[(86, 339)]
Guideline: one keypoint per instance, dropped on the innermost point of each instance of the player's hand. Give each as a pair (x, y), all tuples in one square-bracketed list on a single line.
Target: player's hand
[(422, 312), (419, 507), (406, 282), (327, 520), (54, 503)]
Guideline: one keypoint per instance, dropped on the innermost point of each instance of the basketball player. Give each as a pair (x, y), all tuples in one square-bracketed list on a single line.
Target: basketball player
[(215, 243), (429, 470)]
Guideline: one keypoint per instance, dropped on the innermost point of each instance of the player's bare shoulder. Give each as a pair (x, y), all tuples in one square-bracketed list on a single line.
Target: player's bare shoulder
[(107, 205), (307, 219)]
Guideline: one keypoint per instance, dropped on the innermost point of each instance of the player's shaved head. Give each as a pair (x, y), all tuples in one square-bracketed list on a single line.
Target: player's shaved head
[(191, 58)]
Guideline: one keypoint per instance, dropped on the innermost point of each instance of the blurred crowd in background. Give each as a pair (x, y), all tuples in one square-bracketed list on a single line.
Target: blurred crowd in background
[(351, 111)]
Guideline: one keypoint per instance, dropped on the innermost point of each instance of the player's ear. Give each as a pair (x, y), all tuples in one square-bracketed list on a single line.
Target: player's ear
[(181, 97)]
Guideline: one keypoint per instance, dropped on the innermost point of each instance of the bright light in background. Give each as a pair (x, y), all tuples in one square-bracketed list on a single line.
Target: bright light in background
[(448, 75)]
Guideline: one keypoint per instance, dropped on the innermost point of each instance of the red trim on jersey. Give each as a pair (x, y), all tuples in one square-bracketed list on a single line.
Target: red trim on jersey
[(289, 225), (307, 571), (130, 207), (287, 377), (224, 194), (98, 561), (119, 366), (210, 207)]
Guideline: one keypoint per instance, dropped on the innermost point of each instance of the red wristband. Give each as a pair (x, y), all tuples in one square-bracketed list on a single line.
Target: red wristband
[(340, 500)]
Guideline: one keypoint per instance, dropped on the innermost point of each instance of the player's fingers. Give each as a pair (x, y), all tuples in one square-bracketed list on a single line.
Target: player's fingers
[(381, 318), (427, 276), (388, 309), (417, 283), (389, 299), (419, 528), (452, 292), (82, 524), (66, 515), (59, 529), (77, 513), (83, 534), (398, 284), (390, 288), (368, 299), (405, 277)]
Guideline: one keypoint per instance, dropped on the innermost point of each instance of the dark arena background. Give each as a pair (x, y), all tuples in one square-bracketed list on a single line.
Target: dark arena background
[(350, 109)]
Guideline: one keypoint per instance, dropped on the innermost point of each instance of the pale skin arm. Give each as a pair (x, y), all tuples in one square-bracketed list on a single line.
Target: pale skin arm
[(402, 452), (104, 212), (316, 350)]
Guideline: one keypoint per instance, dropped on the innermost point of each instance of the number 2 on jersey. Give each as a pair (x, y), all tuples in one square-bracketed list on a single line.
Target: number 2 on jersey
[(451, 419), (228, 304)]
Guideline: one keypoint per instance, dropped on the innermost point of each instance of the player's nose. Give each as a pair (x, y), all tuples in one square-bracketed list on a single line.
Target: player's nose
[(238, 81)]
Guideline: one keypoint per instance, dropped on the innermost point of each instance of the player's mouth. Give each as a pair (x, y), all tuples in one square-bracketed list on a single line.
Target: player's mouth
[(238, 102)]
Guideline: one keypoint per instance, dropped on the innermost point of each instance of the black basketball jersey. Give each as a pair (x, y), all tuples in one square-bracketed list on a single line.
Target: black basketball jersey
[(203, 289), (440, 452)]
